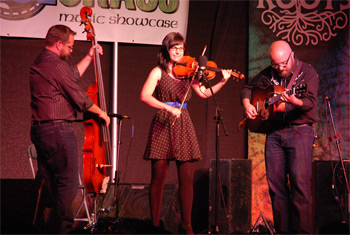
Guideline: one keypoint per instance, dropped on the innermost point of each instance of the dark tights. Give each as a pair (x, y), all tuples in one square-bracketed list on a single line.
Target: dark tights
[(185, 172)]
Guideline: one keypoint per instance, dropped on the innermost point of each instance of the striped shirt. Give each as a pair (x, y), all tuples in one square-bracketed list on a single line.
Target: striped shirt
[(55, 94)]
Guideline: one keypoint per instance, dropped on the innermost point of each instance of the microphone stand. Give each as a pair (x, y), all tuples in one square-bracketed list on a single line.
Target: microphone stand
[(115, 184), (116, 180), (217, 165), (339, 154)]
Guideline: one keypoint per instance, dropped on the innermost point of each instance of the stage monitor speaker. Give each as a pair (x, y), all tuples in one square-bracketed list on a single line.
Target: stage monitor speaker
[(132, 201), (26, 207), (234, 212), (331, 200)]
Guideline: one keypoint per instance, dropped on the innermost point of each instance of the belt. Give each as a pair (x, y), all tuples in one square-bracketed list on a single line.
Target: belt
[(50, 121), (297, 124), (176, 104)]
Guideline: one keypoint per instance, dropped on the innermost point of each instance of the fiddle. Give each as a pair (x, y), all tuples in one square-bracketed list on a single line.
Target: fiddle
[(188, 67)]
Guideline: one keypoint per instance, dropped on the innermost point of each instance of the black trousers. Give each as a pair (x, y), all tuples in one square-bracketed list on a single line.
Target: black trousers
[(58, 165)]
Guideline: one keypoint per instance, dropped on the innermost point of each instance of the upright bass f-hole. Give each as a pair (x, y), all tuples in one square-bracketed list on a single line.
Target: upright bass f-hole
[(97, 146)]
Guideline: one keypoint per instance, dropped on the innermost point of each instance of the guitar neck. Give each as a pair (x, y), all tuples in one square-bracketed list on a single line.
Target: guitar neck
[(277, 97)]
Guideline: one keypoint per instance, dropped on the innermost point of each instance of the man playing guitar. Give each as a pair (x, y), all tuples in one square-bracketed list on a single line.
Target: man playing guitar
[(289, 134)]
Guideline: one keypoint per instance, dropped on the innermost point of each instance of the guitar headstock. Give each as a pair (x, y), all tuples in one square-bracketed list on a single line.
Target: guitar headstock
[(301, 89)]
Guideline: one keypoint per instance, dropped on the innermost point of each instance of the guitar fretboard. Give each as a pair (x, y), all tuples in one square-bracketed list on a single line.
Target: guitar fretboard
[(293, 91)]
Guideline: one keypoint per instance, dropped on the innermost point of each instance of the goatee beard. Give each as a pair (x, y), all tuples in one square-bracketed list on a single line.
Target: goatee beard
[(284, 74), (64, 57)]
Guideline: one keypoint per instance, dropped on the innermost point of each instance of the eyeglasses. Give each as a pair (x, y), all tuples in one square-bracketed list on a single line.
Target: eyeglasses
[(283, 64), (70, 47), (179, 49)]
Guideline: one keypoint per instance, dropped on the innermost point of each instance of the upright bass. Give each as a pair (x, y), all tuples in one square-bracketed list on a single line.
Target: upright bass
[(97, 147)]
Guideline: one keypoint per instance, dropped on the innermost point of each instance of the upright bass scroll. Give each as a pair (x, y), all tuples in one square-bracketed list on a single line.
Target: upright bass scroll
[(97, 147)]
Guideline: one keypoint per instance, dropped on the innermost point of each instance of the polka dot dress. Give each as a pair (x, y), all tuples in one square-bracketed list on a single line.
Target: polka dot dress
[(167, 141)]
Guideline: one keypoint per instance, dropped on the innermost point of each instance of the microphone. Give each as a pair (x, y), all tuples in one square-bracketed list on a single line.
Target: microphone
[(202, 64), (119, 116)]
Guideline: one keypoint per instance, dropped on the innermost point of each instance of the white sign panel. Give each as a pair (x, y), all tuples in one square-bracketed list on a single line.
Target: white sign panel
[(130, 21)]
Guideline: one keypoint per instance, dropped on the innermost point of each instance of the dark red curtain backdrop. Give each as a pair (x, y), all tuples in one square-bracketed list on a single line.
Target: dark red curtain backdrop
[(221, 25)]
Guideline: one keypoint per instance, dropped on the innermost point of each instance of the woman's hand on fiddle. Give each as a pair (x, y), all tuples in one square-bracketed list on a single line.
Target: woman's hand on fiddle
[(226, 73), (205, 93)]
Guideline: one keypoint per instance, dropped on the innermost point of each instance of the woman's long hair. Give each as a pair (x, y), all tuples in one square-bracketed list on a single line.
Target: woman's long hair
[(170, 40)]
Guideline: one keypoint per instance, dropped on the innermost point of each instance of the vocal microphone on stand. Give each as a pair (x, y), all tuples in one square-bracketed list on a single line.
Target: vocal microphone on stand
[(119, 116), (202, 64)]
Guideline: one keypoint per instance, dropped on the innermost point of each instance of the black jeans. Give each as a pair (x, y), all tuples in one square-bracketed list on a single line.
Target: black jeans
[(57, 151)]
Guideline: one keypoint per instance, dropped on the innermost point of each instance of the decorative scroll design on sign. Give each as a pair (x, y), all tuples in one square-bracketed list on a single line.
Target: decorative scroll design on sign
[(304, 28)]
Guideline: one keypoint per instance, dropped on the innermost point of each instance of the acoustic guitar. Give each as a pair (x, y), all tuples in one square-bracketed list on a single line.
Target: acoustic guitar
[(263, 100)]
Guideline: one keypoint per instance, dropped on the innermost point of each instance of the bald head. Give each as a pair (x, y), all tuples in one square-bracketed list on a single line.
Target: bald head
[(279, 51), (282, 58)]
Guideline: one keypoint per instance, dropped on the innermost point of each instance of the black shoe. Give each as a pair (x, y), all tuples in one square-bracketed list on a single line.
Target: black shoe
[(182, 230), (157, 230)]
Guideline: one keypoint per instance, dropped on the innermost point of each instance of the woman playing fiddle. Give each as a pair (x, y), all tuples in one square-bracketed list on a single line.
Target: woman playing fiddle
[(169, 140)]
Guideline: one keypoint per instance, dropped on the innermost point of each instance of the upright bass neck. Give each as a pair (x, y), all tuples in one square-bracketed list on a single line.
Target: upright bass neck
[(97, 148)]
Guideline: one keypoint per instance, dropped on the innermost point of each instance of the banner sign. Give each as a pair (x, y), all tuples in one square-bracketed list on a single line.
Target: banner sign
[(129, 21), (304, 22)]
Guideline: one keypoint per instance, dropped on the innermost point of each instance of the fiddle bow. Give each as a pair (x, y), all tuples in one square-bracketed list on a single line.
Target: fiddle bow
[(189, 68), (97, 147), (191, 82)]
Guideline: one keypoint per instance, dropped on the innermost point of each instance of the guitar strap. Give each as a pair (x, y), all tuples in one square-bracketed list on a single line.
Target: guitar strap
[(295, 74), (292, 80)]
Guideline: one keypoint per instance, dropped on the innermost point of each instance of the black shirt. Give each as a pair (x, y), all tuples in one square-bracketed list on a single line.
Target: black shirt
[(307, 113), (55, 93)]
